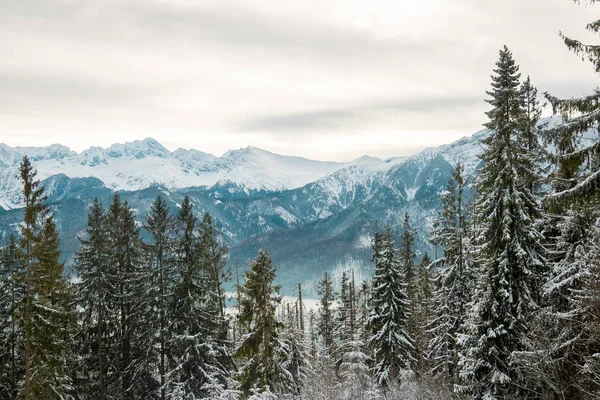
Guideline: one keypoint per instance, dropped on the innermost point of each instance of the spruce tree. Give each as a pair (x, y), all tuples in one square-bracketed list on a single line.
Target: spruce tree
[(212, 256), (33, 196), (130, 301), (45, 317), (326, 322), (195, 358), (96, 335), (454, 284), (260, 352), (406, 255), (510, 256), (11, 295), (424, 313), (566, 336), (577, 176), (389, 316), (160, 226), (407, 258), (51, 319), (530, 133), (295, 359)]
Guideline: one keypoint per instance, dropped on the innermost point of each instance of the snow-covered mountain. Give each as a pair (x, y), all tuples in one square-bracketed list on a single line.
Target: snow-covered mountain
[(311, 215), (141, 164)]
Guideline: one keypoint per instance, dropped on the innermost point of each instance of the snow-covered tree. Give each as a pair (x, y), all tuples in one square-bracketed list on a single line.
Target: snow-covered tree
[(509, 255), (389, 316), (454, 283), (52, 321), (326, 316), (355, 377), (424, 309), (129, 299), (96, 334), (11, 295), (199, 364), (577, 177), (161, 251), (260, 353), (565, 343), (530, 133), (295, 355), (45, 316)]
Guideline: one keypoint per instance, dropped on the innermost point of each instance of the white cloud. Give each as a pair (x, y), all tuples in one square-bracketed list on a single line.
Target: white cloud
[(384, 77)]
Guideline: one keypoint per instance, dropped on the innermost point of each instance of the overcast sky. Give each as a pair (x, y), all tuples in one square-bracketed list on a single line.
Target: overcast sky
[(324, 79)]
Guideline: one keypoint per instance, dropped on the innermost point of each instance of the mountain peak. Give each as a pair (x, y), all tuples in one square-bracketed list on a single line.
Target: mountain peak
[(138, 149)]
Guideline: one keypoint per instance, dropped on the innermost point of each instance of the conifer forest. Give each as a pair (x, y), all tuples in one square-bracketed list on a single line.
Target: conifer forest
[(507, 308)]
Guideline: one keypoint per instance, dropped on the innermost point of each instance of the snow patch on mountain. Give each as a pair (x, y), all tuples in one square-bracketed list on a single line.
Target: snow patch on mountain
[(144, 163)]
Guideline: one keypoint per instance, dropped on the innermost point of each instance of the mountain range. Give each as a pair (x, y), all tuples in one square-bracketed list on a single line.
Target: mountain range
[(313, 216)]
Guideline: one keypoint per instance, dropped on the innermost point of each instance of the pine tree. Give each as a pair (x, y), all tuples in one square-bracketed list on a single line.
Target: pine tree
[(343, 329), (566, 338), (424, 313), (199, 361), (213, 259), (407, 256), (11, 295), (577, 177), (510, 256), (295, 359), (408, 268), (529, 132), (130, 301), (442, 346), (354, 369), (33, 196), (160, 226), (212, 256), (261, 350), (96, 335), (44, 316), (389, 315), (454, 283), (326, 323), (51, 319), (344, 309)]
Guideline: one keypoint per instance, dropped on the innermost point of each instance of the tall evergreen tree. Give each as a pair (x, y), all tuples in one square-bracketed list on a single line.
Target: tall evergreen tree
[(389, 315), (569, 338), (130, 301), (295, 359), (510, 256), (406, 255), (454, 285), (45, 315), (160, 226), (326, 322), (407, 258), (424, 314), (11, 295), (530, 132), (196, 367), (577, 177), (212, 256), (35, 210), (52, 319), (96, 335), (566, 336), (261, 350)]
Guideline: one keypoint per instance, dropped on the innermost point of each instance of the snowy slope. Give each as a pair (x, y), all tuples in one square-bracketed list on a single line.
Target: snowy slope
[(141, 164)]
